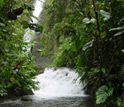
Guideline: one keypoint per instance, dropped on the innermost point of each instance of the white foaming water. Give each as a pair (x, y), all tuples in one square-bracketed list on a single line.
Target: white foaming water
[(28, 37), (38, 6), (58, 83), (29, 34)]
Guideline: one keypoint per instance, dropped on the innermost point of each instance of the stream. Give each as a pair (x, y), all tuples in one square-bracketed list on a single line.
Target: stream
[(56, 102), (57, 88)]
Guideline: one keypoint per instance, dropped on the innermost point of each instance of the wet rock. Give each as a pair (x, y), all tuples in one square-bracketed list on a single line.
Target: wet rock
[(88, 89), (41, 72)]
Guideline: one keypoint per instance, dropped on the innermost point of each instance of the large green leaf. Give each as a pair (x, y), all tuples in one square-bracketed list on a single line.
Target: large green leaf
[(119, 33), (105, 14), (87, 20), (88, 45), (103, 93), (2, 25), (115, 29), (118, 29)]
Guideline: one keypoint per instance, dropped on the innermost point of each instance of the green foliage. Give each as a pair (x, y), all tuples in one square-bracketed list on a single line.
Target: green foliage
[(40, 28), (1, 1), (119, 103), (118, 29), (2, 90), (66, 54), (25, 24), (122, 50), (92, 43), (16, 66), (102, 94), (87, 45)]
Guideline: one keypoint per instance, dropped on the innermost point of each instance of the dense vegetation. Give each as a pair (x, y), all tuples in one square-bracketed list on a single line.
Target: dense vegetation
[(88, 35), (16, 65)]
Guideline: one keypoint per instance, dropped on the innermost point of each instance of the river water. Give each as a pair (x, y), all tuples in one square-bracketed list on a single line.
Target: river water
[(57, 88), (56, 102)]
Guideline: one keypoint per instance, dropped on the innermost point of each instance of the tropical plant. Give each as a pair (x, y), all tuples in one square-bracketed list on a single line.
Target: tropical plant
[(16, 66), (93, 44)]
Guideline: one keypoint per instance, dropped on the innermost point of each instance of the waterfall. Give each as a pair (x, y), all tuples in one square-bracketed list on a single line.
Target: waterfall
[(29, 34), (57, 87), (38, 6), (62, 82)]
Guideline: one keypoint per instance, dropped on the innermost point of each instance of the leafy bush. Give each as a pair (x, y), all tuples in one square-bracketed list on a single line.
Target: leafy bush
[(66, 54), (16, 66)]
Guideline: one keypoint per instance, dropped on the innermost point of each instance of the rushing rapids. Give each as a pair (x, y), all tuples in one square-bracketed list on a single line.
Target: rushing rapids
[(62, 82), (57, 87)]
